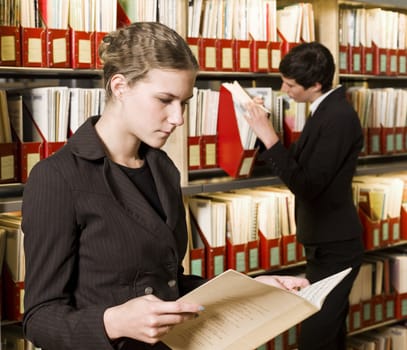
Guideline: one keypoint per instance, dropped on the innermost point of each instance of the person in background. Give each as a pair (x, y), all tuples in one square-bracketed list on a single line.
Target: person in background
[(318, 169), (103, 218)]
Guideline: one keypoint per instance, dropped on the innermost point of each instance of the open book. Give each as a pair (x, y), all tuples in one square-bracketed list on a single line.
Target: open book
[(242, 313)]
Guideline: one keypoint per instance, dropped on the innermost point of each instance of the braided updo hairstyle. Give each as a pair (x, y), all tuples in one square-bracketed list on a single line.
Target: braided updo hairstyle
[(136, 49)]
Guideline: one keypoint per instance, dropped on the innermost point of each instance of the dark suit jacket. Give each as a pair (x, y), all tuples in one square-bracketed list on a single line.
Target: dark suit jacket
[(92, 241), (319, 168)]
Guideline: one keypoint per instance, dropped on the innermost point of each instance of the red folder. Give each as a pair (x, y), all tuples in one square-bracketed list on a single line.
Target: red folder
[(356, 64), (196, 48), (368, 60), (300, 252), (367, 313), (197, 253), (194, 152), (392, 67), (378, 308), (385, 233), (98, 39), (402, 62), (289, 249), (286, 45), (9, 162), (374, 141), (253, 255), (260, 59), (290, 135), (401, 306), (270, 252), (371, 231), (354, 317), (13, 296), (381, 60), (58, 48), (232, 158), (208, 57), (399, 139), (82, 49), (225, 56), (34, 47), (403, 224), (208, 146), (30, 148), (10, 46), (215, 257), (275, 54), (389, 306), (394, 225), (242, 55), (344, 59), (236, 256), (387, 140)]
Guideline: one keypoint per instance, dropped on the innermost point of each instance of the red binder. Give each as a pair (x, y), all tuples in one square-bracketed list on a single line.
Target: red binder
[(403, 224), (58, 48), (289, 249), (13, 296), (378, 308), (367, 313), (286, 45), (374, 141), (401, 306), (208, 146), (194, 152), (344, 59), (395, 229), (197, 253), (371, 231), (389, 306), (289, 135), (392, 67), (236, 255), (260, 59), (275, 54), (402, 62), (98, 38), (354, 317), (243, 57), (270, 252), (399, 139), (225, 56), (34, 47), (232, 158), (82, 49), (122, 18), (368, 60), (356, 63), (385, 233), (10, 46), (208, 57), (387, 142), (8, 162), (215, 257), (196, 48)]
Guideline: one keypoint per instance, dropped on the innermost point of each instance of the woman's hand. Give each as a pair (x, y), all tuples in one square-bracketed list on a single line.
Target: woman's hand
[(291, 283), (147, 318)]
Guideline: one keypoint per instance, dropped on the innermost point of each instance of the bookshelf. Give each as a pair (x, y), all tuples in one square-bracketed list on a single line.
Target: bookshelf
[(213, 180)]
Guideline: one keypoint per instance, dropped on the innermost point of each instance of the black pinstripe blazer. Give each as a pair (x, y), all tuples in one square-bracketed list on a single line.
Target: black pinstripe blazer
[(319, 168), (92, 241)]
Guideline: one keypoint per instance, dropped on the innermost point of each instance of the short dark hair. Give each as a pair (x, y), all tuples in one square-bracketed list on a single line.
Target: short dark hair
[(309, 63)]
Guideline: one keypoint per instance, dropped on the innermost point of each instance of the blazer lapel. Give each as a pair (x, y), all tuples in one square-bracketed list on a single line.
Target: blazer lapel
[(132, 201)]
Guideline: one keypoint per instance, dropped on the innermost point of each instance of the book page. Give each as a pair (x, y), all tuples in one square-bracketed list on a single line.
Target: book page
[(318, 291), (241, 313)]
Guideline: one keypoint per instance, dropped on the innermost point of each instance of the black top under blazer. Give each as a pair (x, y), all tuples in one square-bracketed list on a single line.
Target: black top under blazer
[(319, 168), (92, 241)]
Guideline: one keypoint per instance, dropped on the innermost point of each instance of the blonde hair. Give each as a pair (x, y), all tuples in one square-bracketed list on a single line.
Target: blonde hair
[(136, 49)]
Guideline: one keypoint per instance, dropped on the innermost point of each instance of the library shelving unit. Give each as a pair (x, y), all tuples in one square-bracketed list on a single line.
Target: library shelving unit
[(211, 180)]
